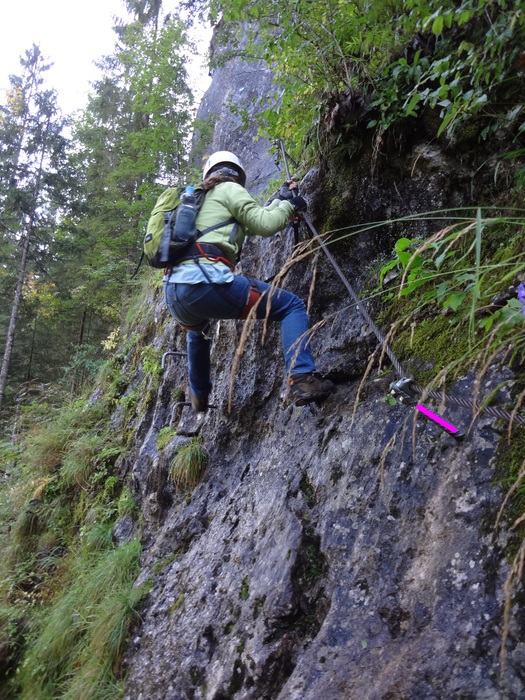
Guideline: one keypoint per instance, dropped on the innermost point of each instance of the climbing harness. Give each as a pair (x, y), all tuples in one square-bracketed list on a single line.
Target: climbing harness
[(405, 390)]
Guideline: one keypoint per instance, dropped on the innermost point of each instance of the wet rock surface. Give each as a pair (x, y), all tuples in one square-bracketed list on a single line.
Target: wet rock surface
[(333, 552), (323, 555)]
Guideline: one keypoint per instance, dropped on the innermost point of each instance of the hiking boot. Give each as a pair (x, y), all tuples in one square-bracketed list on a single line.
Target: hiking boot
[(198, 403), (306, 388)]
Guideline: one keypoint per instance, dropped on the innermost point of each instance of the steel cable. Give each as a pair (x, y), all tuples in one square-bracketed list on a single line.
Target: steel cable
[(464, 403)]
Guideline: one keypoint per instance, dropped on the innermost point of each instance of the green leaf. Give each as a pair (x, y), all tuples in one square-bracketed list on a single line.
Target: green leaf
[(437, 25), (447, 120), (466, 277), (444, 256), (404, 257), (402, 244), (454, 301), (441, 290), (389, 266), (487, 322), (409, 108), (415, 265), (464, 17)]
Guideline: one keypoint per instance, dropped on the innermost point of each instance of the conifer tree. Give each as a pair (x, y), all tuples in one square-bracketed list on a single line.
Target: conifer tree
[(72, 215), (33, 168), (133, 138)]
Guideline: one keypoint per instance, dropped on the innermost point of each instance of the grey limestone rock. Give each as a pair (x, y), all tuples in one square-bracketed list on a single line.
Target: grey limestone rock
[(325, 555)]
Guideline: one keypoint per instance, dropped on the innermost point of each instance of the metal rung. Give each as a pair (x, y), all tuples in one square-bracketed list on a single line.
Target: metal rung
[(187, 403), (171, 352)]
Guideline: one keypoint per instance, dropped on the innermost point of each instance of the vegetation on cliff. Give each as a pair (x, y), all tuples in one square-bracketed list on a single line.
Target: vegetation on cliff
[(345, 73), (344, 66)]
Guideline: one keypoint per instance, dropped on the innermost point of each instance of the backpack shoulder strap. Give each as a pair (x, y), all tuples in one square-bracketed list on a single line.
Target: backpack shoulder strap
[(138, 266), (202, 193), (215, 226)]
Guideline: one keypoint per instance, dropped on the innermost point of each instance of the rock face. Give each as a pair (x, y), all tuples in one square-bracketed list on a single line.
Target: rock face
[(229, 105), (328, 553)]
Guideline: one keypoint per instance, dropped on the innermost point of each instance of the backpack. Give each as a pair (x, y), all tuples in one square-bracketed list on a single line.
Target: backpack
[(161, 227)]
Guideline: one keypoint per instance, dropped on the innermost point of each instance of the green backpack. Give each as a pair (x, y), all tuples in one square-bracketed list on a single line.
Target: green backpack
[(161, 229)]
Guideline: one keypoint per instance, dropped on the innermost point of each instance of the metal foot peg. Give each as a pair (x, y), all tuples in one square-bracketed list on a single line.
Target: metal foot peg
[(171, 352), (188, 403)]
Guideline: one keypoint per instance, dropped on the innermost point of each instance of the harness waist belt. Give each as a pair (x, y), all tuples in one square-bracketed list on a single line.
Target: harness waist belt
[(198, 249), (210, 251)]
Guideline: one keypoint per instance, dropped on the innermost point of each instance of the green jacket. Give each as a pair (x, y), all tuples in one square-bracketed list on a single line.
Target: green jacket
[(229, 200)]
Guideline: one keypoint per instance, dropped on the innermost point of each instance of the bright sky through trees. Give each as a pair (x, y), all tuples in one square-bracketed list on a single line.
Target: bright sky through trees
[(71, 35)]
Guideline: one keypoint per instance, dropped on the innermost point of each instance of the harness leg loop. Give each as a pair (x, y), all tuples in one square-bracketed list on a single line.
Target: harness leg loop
[(253, 298)]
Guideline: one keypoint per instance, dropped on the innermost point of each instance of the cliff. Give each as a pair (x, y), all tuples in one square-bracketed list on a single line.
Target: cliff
[(334, 551)]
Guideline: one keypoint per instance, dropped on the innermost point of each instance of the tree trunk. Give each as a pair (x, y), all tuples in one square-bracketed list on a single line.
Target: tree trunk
[(14, 314), (22, 271), (82, 328)]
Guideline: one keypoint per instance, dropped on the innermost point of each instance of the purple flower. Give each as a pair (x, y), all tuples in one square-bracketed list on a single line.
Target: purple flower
[(521, 296)]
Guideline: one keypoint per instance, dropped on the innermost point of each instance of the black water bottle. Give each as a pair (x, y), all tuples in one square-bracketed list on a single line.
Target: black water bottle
[(185, 226)]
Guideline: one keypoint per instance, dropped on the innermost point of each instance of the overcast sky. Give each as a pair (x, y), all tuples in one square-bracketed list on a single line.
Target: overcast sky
[(71, 35)]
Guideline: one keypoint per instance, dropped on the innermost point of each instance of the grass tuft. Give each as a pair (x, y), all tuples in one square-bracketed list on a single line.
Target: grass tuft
[(79, 463), (78, 650), (164, 437), (189, 464)]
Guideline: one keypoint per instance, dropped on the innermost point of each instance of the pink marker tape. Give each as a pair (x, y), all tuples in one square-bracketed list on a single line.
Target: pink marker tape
[(437, 419)]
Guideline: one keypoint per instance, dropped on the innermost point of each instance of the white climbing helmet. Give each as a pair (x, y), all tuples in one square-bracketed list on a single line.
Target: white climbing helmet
[(225, 158)]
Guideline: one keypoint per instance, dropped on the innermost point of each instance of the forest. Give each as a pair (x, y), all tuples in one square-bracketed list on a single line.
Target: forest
[(75, 198)]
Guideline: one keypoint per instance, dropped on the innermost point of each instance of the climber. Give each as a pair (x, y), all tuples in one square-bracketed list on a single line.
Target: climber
[(202, 286)]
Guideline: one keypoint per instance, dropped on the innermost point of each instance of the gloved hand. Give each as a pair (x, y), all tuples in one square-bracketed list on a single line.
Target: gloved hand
[(298, 203), (288, 190)]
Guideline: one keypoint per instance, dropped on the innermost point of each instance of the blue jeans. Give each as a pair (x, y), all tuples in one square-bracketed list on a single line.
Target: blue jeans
[(193, 304)]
